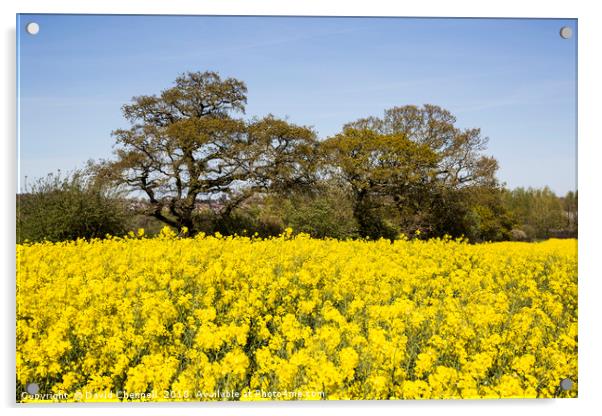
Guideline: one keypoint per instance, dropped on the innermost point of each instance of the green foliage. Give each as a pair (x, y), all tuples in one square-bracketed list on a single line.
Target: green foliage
[(487, 223), (327, 213), (245, 221), (488, 218), (474, 212), (59, 208)]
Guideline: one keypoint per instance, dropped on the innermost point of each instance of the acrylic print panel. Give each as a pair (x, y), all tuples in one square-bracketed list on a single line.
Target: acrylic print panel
[(294, 208)]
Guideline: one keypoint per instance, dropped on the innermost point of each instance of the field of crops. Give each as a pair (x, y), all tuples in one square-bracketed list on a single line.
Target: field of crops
[(216, 318)]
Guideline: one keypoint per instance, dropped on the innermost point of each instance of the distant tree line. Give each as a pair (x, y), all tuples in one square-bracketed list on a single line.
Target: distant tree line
[(189, 161), (539, 213)]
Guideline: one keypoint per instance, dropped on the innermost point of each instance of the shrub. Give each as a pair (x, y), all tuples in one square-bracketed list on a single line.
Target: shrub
[(58, 208), (518, 235), (322, 216)]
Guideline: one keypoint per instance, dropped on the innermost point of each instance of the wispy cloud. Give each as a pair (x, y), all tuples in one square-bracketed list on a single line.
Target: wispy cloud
[(57, 101), (533, 93), (258, 44)]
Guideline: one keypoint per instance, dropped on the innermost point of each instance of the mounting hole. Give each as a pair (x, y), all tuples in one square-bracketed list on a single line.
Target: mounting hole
[(566, 32), (32, 28), (32, 388), (566, 384)]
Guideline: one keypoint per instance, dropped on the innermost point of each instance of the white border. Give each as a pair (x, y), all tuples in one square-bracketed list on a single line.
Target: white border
[(590, 179)]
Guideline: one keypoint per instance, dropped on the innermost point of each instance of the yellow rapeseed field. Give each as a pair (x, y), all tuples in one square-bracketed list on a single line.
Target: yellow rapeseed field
[(216, 318)]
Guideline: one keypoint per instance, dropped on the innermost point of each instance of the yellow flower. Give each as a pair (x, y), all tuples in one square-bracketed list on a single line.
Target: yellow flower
[(424, 362), (524, 364), (349, 360)]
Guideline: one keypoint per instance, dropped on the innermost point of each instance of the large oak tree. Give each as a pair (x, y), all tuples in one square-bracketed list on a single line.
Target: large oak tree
[(410, 170), (186, 145)]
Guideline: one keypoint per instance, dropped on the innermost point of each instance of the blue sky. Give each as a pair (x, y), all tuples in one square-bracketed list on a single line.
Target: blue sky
[(515, 79)]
